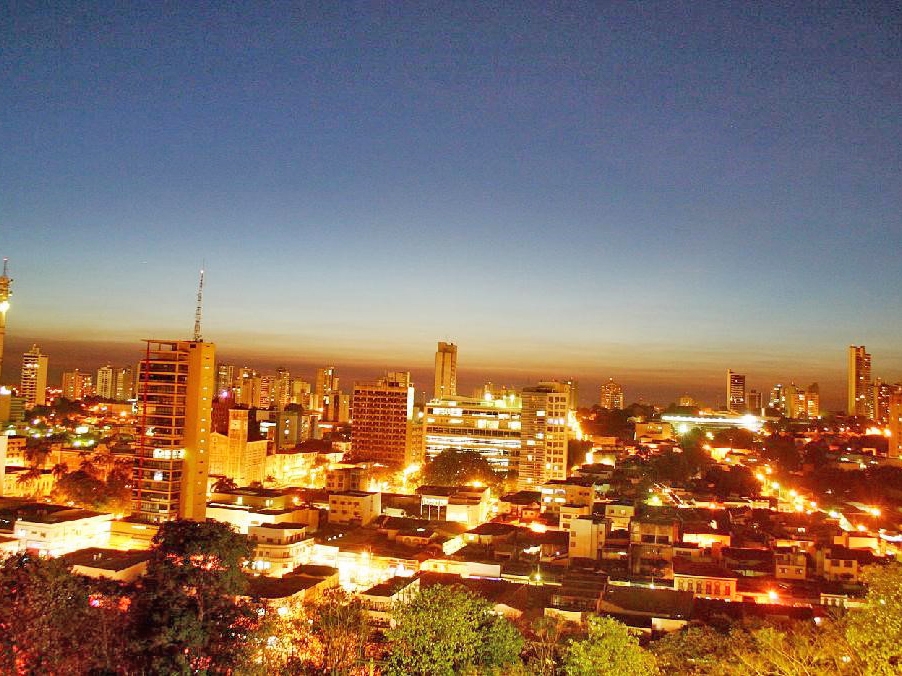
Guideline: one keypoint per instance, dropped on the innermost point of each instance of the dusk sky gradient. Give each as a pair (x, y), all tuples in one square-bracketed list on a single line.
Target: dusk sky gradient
[(651, 191)]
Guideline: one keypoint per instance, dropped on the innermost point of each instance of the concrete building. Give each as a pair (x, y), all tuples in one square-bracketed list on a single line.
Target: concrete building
[(894, 424), (860, 390), (76, 385), (445, 385), (544, 435), (235, 457), (488, 426), (5, 293), (588, 535), (59, 531), (736, 400), (175, 394), (383, 419), (279, 548), (354, 507), (612, 396), (34, 378)]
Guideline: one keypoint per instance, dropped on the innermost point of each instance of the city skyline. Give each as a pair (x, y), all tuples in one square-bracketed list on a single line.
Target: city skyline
[(654, 195)]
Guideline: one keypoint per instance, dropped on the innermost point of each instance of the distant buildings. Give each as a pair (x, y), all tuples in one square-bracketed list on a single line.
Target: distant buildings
[(235, 457), (76, 385), (34, 378), (382, 414), (894, 414), (612, 396), (542, 455), (5, 293), (860, 399), (445, 371), (175, 392), (736, 401), (115, 383)]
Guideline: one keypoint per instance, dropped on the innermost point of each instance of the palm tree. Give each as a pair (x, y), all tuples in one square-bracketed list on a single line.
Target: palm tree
[(59, 470)]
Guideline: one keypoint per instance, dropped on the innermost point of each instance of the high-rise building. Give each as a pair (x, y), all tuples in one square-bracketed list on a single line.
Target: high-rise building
[(5, 293), (736, 401), (382, 417), (105, 382), (234, 456), (612, 396), (445, 371), (882, 393), (756, 402), (487, 425), (813, 401), (281, 389), (861, 397), (225, 378), (34, 378), (176, 386), (894, 413), (76, 385), (326, 380), (542, 455)]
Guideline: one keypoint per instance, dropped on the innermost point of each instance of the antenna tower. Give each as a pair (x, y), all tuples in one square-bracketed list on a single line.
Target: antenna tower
[(197, 312)]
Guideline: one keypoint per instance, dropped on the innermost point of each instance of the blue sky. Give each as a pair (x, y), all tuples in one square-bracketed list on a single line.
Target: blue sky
[(654, 191)]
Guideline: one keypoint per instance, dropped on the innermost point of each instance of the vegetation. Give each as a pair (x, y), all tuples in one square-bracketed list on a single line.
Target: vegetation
[(459, 468), (447, 630), (608, 650)]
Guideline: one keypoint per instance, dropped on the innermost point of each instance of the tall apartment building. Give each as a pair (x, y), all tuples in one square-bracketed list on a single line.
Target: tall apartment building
[(176, 386), (225, 378), (736, 401), (76, 385), (382, 419), (488, 426), (612, 396), (234, 456), (861, 397), (34, 378), (445, 384), (544, 435), (894, 414), (756, 402), (5, 293)]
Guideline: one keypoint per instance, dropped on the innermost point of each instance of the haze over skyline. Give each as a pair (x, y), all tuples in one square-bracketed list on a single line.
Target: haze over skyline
[(651, 192)]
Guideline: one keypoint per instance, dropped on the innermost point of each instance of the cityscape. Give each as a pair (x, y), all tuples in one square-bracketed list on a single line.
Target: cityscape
[(527, 339)]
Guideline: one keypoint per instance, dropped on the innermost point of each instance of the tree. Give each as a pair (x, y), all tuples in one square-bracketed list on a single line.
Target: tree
[(187, 613), (342, 626), (224, 484), (458, 468), (609, 650), (447, 630), (544, 642), (42, 603), (695, 650), (875, 631)]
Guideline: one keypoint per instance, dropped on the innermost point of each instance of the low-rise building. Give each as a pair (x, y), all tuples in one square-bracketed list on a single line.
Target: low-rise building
[(112, 564), (588, 535), (381, 599), (55, 532), (357, 508), (280, 548), (704, 580)]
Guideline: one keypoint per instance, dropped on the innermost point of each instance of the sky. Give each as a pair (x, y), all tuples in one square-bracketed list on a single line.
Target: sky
[(654, 192)]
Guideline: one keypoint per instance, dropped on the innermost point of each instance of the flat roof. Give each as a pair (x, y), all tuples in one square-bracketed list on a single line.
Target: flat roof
[(107, 559)]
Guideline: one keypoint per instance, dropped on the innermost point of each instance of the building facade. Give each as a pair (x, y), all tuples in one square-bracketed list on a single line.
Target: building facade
[(860, 394), (445, 371), (34, 378), (612, 396), (382, 419), (542, 455), (176, 386), (736, 400), (490, 427)]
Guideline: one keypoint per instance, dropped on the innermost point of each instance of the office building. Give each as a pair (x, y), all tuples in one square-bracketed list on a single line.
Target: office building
[(612, 396), (736, 401), (176, 385), (34, 378), (5, 293), (813, 401), (76, 385), (445, 371), (542, 455), (382, 420), (756, 402), (488, 426), (861, 397)]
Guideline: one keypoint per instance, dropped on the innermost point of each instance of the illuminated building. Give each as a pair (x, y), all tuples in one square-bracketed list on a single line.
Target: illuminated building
[(235, 457), (279, 548), (894, 414), (115, 383), (76, 385), (777, 399), (175, 392), (34, 378), (225, 378), (813, 401), (490, 427), (860, 400), (445, 371), (544, 435), (356, 508), (55, 530), (5, 293), (882, 393), (736, 401), (588, 535), (326, 380), (687, 400), (382, 416), (612, 396), (756, 402), (281, 389)]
